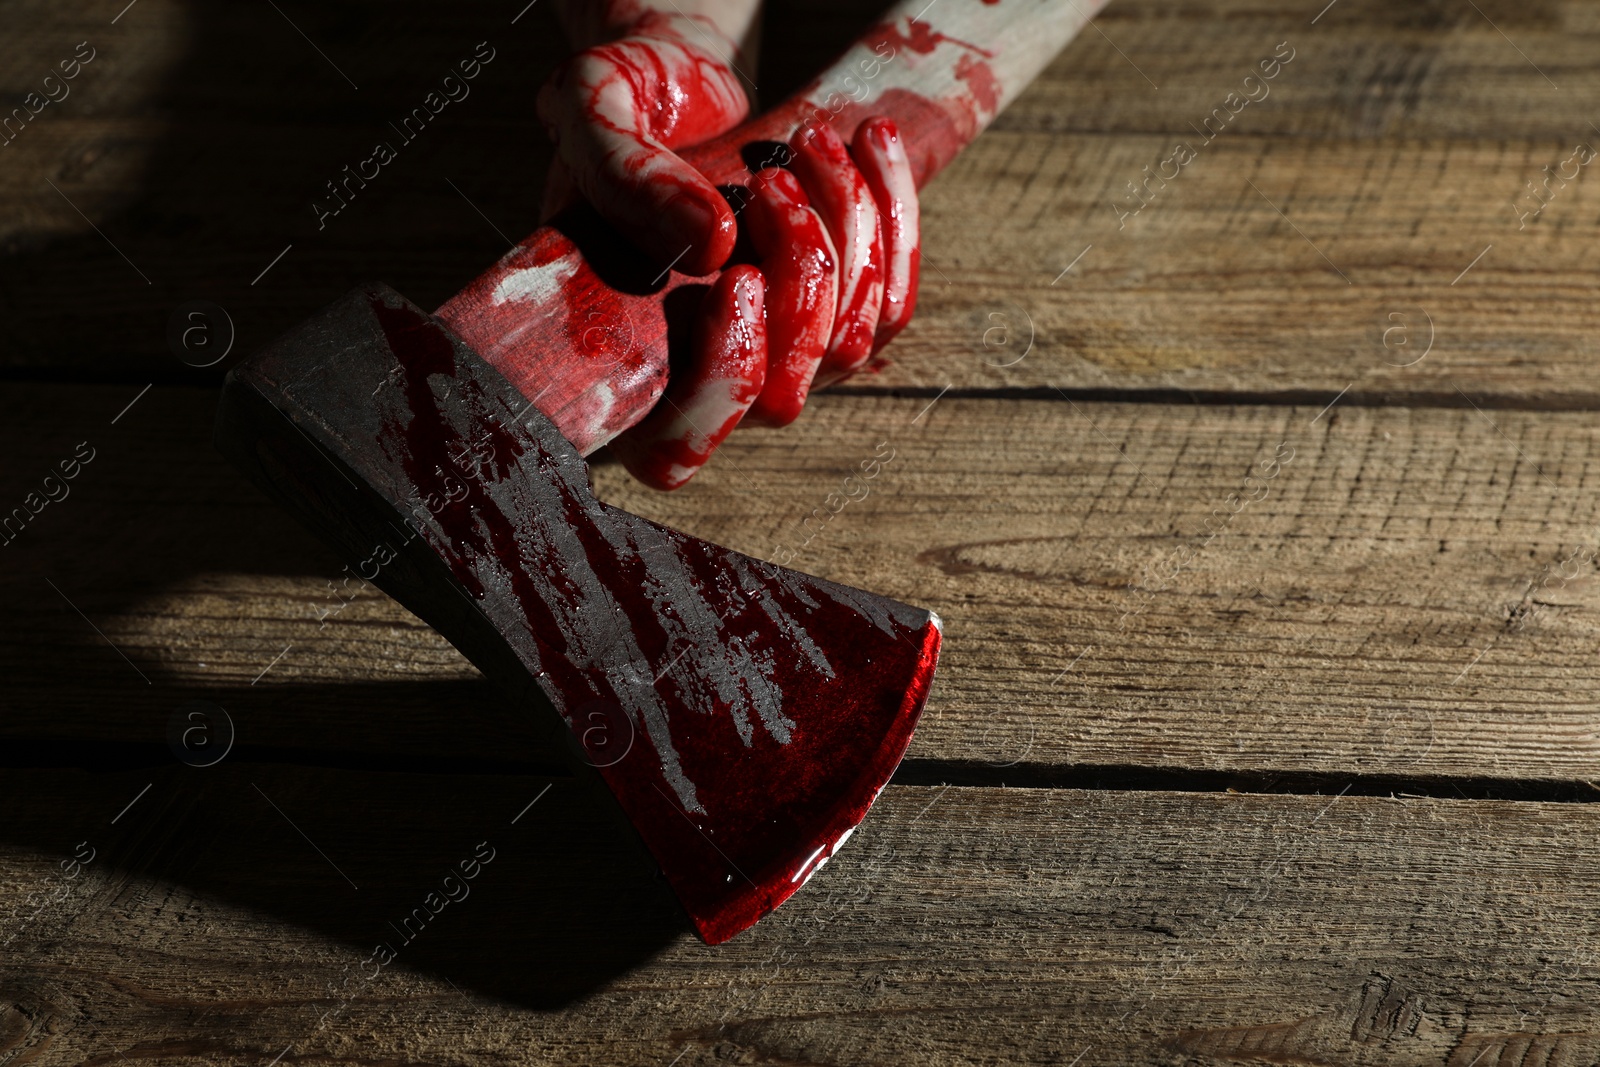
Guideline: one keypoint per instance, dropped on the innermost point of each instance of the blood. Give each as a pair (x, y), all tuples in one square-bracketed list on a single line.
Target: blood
[(705, 403), (919, 37), (797, 259), (577, 347), (764, 799), (880, 154), (846, 205), (980, 79), (685, 89), (772, 803), (934, 130), (614, 108), (539, 344), (427, 446)]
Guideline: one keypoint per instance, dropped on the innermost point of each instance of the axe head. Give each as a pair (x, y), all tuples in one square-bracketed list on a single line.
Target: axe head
[(744, 716)]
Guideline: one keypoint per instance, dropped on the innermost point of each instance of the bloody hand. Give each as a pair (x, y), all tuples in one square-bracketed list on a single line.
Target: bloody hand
[(835, 236)]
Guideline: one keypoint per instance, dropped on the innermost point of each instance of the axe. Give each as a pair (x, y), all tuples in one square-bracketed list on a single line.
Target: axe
[(744, 716)]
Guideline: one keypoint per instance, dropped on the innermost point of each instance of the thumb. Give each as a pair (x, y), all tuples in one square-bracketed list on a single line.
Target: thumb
[(602, 107)]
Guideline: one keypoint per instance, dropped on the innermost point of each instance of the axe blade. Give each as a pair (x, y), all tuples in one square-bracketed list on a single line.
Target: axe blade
[(744, 716)]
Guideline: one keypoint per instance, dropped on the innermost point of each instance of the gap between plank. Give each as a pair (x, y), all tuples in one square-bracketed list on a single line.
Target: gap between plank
[(1131, 779), (1318, 398), (115, 756), (1315, 398)]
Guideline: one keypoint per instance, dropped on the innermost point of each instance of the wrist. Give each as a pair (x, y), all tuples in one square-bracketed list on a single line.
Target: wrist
[(729, 25)]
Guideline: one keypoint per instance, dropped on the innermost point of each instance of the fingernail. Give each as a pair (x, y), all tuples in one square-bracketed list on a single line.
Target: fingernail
[(822, 139)]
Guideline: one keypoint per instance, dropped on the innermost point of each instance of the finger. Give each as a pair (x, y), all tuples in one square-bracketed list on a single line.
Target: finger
[(882, 160), (841, 196), (798, 262), (702, 407), (615, 111)]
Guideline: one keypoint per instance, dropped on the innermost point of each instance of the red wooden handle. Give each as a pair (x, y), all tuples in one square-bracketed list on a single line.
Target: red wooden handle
[(576, 319)]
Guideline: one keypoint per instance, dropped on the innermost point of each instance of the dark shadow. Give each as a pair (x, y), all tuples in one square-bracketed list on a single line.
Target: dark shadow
[(564, 904), (615, 262), (257, 125), (392, 777), (395, 781)]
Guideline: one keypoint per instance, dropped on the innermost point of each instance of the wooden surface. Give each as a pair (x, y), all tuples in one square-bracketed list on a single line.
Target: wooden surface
[(1304, 778)]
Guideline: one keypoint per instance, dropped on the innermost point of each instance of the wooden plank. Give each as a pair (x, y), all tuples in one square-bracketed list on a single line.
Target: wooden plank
[(1412, 594), (1395, 142), (1389, 603), (1392, 150), (198, 140), (1376, 70), (960, 926), (1361, 69), (1207, 291), (1346, 265)]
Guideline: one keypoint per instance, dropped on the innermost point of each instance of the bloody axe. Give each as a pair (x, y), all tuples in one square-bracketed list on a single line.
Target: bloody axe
[(745, 716)]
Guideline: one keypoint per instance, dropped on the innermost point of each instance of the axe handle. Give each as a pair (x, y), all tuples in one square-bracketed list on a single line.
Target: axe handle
[(578, 322)]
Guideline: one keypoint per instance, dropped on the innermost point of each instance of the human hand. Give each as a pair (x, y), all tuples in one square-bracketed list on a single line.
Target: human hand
[(835, 237), (836, 240), (650, 81)]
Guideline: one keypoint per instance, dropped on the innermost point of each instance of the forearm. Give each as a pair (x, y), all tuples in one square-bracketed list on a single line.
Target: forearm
[(591, 22)]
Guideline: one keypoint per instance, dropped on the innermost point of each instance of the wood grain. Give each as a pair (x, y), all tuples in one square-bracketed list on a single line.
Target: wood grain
[(1395, 142), (1362, 69), (960, 926), (1410, 608), (1412, 594), (1390, 153), (1396, 270)]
